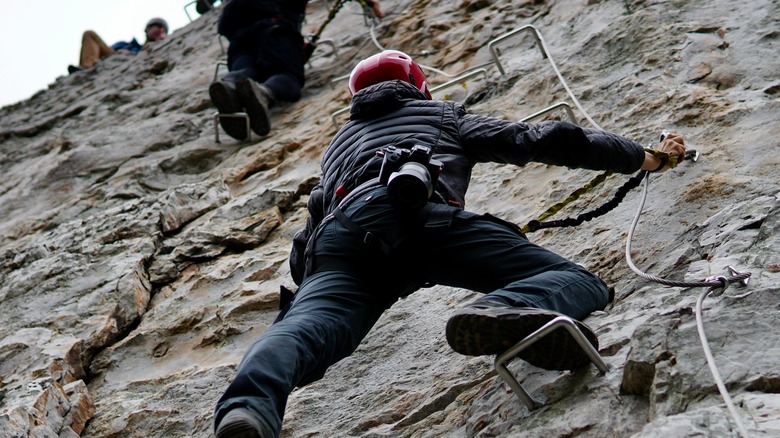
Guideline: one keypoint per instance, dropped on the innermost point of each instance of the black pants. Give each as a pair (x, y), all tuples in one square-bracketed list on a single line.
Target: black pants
[(265, 48), (351, 283)]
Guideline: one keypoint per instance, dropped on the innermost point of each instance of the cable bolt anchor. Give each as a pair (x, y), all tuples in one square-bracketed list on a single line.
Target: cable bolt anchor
[(735, 273), (717, 290)]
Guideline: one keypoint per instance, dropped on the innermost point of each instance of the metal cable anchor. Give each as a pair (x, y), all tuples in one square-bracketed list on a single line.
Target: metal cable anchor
[(717, 290), (735, 273)]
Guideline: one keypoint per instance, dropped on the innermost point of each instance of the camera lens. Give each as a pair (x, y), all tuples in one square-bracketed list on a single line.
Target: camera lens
[(410, 187)]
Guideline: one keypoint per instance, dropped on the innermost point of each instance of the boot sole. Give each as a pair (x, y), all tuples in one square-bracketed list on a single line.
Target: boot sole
[(241, 426), (228, 104), (259, 119), (478, 332)]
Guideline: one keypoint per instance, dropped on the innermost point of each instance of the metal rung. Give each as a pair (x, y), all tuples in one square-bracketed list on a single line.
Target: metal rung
[(334, 51), (336, 114), (527, 28), (561, 321), (186, 11), (545, 53), (330, 43), (221, 44), (552, 108), (190, 4), (218, 116), (216, 69), (459, 79), (337, 79)]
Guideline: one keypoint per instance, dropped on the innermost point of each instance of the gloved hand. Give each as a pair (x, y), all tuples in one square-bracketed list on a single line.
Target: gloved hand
[(669, 153)]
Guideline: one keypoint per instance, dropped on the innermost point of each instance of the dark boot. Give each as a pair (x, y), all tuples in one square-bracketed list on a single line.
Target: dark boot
[(256, 98), (204, 6), (489, 327), (242, 423), (224, 96)]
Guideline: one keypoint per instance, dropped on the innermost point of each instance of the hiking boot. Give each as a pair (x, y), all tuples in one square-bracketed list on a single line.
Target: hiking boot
[(73, 69), (204, 6), (242, 423), (489, 327), (256, 98), (224, 96)]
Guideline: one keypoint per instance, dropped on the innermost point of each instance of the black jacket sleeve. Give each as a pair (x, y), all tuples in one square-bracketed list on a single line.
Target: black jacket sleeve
[(301, 238), (487, 139)]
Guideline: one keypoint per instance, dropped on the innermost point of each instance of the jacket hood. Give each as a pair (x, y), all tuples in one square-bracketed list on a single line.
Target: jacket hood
[(382, 98)]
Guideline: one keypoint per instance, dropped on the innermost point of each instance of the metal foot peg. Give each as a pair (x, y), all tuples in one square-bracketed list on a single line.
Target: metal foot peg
[(192, 3), (244, 116), (216, 69), (561, 321)]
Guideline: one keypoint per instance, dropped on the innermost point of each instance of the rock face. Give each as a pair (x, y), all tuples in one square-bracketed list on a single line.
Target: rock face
[(139, 258)]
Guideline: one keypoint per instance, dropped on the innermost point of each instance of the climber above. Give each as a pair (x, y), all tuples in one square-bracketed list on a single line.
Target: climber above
[(387, 218), (93, 48), (265, 61)]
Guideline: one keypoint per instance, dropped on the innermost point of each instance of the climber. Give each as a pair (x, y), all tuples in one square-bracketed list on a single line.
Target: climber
[(387, 218), (93, 48), (265, 61)]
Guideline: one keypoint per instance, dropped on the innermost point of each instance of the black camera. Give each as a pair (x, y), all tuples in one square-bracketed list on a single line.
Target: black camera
[(409, 174)]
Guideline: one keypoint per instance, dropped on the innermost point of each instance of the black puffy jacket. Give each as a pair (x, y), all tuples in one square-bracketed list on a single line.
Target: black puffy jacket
[(396, 113)]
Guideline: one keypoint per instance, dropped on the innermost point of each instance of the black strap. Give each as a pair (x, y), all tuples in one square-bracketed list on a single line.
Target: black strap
[(631, 184), (359, 191), (285, 297)]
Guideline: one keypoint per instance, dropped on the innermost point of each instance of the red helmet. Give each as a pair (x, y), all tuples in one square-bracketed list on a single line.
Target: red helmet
[(387, 66)]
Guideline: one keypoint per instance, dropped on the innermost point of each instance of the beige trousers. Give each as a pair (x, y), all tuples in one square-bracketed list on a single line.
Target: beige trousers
[(93, 48)]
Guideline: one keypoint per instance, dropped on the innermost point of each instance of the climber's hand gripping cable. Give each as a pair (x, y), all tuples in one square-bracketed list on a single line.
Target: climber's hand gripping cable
[(669, 153)]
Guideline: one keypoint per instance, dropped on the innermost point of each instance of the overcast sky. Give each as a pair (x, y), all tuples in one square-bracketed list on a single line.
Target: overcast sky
[(39, 38)]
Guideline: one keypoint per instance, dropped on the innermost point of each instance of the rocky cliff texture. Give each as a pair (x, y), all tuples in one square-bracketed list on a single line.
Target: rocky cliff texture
[(139, 258)]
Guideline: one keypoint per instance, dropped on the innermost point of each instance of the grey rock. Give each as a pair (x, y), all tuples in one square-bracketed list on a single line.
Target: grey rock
[(139, 258)]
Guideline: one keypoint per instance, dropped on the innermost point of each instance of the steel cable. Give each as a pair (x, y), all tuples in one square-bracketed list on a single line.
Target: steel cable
[(707, 283), (720, 282), (724, 393)]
